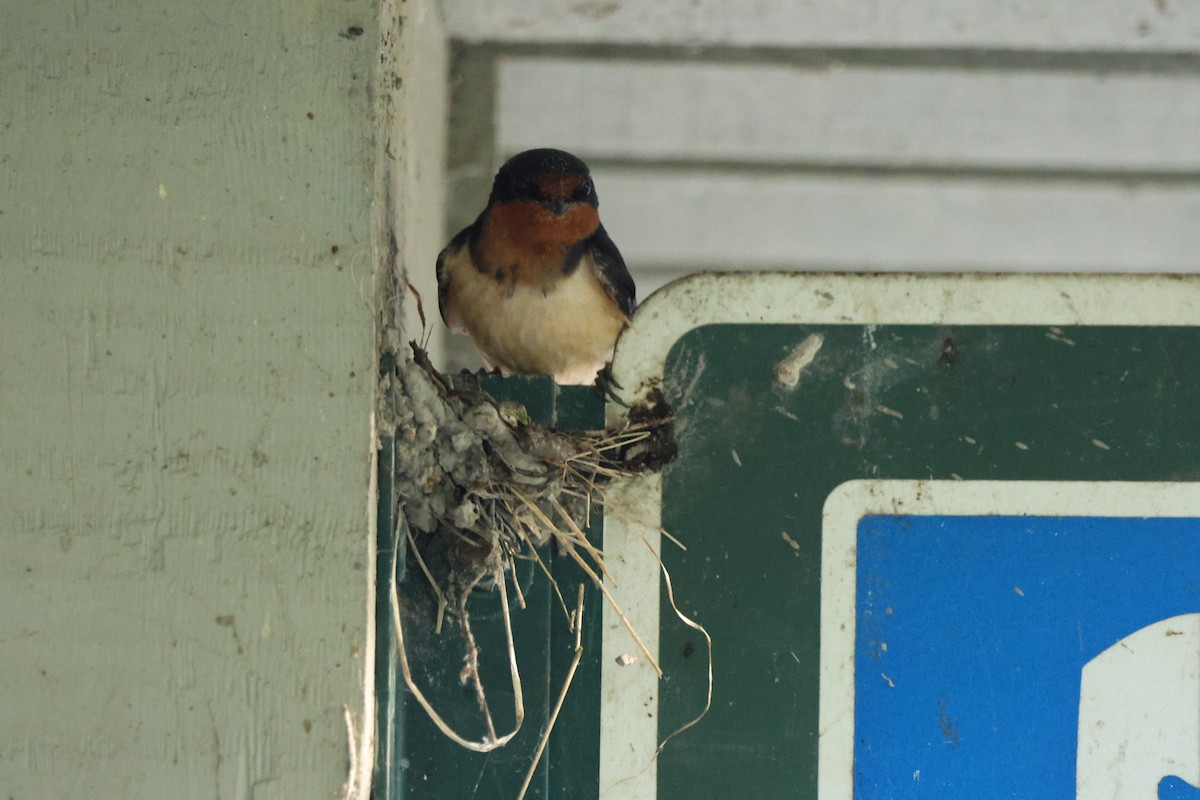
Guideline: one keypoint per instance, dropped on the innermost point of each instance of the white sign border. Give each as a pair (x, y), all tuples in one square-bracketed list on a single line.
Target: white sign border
[(629, 694)]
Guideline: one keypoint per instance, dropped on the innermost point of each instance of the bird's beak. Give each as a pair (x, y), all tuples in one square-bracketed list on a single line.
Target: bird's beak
[(559, 207)]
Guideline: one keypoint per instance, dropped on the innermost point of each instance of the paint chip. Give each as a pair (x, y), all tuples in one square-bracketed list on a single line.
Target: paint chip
[(792, 543), (891, 684), (736, 459), (891, 412), (1056, 334), (1100, 444), (788, 370), (1021, 445), (162, 191), (786, 413), (969, 440), (1019, 592), (625, 660)]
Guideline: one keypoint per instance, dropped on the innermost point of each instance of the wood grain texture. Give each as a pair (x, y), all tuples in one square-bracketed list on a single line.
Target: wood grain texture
[(851, 116), (690, 220), (1135, 26), (815, 135), (187, 345)]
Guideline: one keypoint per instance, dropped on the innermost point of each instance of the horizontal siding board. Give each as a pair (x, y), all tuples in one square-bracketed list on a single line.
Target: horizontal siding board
[(882, 117), (665, 220), (1066, 25)]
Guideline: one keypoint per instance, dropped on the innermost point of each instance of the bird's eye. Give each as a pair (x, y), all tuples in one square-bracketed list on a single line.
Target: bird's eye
[(586, 190)]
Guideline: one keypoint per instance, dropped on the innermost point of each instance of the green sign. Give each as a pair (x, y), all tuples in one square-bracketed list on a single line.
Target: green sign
[(1014, 388), (892, 490)]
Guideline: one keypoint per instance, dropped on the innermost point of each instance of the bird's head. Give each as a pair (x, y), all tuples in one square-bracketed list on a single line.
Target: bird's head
[(553, 180)]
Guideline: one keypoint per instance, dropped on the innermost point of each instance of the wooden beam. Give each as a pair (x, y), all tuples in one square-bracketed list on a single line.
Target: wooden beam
[(1142, 26), (854, 116), (687, 221)]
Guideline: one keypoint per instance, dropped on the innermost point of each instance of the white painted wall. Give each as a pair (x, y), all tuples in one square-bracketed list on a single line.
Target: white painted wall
[(1123, 25), (823, 135)]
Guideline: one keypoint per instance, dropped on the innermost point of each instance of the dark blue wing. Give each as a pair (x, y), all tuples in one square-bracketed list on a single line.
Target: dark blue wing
[(610, 268), (443, 279)]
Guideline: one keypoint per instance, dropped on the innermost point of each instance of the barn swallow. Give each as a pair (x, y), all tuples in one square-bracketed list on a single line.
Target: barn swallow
[(535, 280)]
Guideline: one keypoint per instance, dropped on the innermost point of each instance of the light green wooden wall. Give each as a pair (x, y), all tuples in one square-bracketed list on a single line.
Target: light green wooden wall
[(190, 223)]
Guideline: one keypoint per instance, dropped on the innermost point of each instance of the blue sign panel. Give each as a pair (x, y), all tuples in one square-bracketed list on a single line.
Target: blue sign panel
[(1015, 656)]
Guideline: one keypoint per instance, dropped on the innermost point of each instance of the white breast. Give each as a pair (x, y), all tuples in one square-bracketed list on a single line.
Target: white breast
[(566, 329)]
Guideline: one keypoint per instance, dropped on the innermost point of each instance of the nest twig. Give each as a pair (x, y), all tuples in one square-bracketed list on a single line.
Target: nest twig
[(493, 741), (497, 487), (577, 628)]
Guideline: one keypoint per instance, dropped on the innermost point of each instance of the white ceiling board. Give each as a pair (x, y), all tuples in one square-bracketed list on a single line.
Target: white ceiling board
[(795, 221), (1067, 25), (880, 116)]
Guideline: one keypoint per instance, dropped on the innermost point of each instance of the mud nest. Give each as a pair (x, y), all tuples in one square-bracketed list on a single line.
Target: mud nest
[(483, 473), (488, 486)]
